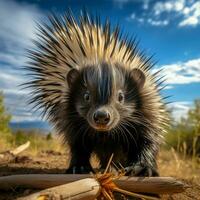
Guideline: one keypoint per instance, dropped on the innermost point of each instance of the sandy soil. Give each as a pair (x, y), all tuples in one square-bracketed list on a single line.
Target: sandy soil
[(55, 162)]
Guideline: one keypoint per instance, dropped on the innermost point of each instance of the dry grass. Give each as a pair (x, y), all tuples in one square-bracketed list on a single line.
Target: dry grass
[(42, 144), (4, 144), (178, 165), (49, 158), (170, 162), (39, 143)]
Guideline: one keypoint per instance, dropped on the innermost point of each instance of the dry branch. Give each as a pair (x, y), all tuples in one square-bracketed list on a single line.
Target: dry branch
[(20, 148), (9, 156), (85, 189), (154, 185)]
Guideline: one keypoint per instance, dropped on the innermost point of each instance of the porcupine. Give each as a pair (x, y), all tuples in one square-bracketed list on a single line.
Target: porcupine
[(97, 88)]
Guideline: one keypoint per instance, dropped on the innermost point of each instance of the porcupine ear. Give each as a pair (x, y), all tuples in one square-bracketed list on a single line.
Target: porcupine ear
[(139, 76), (71, 76)]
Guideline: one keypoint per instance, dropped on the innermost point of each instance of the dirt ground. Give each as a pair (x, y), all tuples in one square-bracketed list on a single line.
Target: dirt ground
[(50, 162)]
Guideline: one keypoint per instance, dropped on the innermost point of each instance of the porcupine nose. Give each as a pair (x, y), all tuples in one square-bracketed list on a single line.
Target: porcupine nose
[(101, 117)]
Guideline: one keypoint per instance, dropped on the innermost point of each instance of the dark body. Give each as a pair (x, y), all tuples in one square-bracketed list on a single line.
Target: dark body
[(96, 87), (131, 139)]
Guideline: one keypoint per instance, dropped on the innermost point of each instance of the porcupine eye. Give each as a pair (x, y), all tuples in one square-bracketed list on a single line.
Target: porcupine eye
[(120, 97), (87, 97)]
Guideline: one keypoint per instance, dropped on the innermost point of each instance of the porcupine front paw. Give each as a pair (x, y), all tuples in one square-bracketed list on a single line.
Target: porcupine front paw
[(141, 169), (79, 170)]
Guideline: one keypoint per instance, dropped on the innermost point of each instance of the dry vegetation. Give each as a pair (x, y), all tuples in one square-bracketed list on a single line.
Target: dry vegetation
[(170, 162), (51, 158), (173, 164)]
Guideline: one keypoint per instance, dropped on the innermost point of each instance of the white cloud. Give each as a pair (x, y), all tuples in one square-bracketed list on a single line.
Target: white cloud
[(15, 98), (13, 59), (10, 79), (17, 23), (146, 4), (191, 15), (16, 103), (180, 109), (168, 6), (187, 11), (149, 20), (141, 20), (182, 72), (192, 21), (17, 28), (121, 3), (132, 16), (158, 22), (161, 13)]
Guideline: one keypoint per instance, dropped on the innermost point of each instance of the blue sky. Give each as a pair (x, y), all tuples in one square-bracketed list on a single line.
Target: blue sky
[(170, 29)]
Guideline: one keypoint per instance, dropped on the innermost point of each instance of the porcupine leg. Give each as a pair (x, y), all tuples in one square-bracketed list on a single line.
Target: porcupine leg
[(142, 160), (79, 163), (141, 169)]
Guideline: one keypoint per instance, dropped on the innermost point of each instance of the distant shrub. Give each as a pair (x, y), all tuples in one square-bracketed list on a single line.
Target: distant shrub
[(184, 136), (49, 136), (4, 118), (8, 140), (39, 141)]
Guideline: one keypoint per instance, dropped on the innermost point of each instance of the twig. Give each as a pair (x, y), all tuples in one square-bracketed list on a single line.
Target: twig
[(9, 156), (20, 148), (109, 163), (133, 194)]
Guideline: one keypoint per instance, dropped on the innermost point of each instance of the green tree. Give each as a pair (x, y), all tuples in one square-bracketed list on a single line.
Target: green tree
[(184, 136), (194, 117), (49, 136), (4, 117)]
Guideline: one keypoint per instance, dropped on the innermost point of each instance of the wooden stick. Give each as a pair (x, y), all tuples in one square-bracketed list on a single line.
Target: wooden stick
[(20, 148), (85, 189), (13, 153), (9, 156), (109, 162), (140, 196), (153, 185)]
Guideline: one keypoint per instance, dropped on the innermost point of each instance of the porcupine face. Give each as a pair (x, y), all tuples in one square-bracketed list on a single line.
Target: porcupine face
[(106, 96)]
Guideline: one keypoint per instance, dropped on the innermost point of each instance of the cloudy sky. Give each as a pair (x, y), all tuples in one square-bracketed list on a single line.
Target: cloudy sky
[(170, 29)]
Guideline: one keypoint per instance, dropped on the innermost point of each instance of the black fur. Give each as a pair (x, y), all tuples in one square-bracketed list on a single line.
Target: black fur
[(130, 97), (131, 141)]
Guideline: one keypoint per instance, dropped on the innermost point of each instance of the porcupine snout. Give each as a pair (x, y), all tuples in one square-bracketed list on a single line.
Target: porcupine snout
[(101, 117)]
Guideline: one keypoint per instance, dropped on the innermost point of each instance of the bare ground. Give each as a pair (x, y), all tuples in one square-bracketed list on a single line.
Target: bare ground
[(51, 162)]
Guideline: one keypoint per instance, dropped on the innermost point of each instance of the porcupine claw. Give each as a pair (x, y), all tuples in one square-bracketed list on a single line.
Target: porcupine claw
[(141, 169)]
